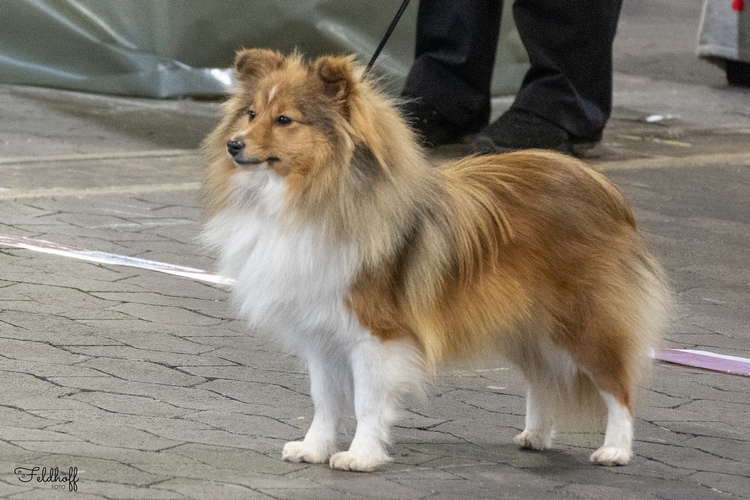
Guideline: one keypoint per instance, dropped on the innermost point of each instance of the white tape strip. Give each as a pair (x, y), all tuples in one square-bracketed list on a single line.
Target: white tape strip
[(161, 153), (111, 258), (12, 194)]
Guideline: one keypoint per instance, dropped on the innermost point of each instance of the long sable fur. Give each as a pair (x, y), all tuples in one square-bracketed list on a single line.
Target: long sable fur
[(506, 254)]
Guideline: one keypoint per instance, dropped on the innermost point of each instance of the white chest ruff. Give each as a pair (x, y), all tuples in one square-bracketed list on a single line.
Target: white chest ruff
[(290, 281)]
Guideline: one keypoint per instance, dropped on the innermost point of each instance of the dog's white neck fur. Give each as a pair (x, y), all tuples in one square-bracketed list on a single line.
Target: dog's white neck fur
[(290, 280)]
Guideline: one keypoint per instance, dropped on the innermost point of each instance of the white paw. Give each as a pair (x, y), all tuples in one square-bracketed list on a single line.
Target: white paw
[(346, 460), (611, 455), (534, 440), (299, 451)]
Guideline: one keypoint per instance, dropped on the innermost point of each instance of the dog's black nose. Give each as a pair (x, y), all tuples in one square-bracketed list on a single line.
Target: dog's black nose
[(234, 147)]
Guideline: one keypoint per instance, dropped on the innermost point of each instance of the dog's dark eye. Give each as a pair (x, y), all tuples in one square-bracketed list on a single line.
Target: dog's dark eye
[(283, 120), (251, 114)]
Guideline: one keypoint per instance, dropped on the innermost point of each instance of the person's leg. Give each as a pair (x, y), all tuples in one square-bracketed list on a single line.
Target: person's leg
[(570, 48), (449, 82), (567, 92)]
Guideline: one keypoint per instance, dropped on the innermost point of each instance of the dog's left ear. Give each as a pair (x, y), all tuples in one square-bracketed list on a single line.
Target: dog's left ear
[(338, 77)]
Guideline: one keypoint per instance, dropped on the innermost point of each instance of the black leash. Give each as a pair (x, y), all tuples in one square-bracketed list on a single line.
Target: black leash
[(387, 35)]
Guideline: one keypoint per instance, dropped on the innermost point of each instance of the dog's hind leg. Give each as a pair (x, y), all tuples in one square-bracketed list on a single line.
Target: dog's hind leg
[(537, 434), (330, 388), (382, 372), (618, 437), (611, 371), (550, 372)]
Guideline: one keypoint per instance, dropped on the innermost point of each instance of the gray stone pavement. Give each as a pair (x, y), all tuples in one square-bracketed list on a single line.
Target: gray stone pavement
[(147, 385)]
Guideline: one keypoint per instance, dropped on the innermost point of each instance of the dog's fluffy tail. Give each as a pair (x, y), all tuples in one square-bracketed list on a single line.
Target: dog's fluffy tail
[(643, 308)]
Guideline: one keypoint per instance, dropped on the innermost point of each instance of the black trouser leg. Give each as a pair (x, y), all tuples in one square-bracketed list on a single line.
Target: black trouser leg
[(569, 43), (455, 53)]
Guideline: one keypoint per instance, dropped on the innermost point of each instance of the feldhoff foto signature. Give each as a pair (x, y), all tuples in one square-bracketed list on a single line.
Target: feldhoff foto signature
[(51, 475)]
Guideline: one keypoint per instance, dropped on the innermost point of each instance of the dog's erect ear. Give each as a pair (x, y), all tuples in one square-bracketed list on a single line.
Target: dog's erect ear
[(337, 75), (251, 64)]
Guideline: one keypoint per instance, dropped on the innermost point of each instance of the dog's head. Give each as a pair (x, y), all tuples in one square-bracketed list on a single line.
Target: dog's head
[(289, 114), (315, 124)]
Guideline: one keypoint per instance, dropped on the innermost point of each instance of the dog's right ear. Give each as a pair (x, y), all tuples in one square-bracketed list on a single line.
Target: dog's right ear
[(251, 64)]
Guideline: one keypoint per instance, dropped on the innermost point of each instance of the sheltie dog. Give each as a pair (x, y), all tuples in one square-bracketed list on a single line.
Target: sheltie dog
[(377, 268)]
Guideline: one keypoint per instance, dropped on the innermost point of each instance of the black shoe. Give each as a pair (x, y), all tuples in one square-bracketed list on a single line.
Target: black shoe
[(518, 129), (433, 129), (738, 73)]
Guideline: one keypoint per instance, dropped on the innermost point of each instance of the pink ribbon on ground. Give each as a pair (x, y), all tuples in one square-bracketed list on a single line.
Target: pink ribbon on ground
[(733, 365)]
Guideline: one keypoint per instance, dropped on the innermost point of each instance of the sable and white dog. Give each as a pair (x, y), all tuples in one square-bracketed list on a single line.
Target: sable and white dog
[(377, 267)]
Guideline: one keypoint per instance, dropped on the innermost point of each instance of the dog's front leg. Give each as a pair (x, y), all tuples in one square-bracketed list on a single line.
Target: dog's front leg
[(373, 401), (382, 371), (330, 388)]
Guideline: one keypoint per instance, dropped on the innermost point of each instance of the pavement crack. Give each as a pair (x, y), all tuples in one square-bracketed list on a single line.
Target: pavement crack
[(713, 488), (423, 427)]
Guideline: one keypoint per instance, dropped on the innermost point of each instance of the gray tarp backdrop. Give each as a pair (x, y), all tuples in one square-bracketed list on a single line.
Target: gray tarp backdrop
[(724, 34), (172, 48)]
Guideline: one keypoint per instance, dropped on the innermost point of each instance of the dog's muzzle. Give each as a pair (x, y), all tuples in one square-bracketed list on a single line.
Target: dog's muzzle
[(236, 149)]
